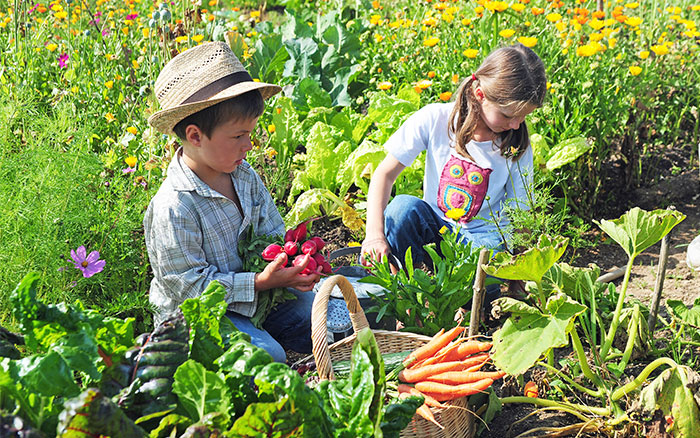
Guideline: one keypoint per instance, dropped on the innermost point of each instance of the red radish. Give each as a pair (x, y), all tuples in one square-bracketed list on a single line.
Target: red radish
[(299, 260), (311, 267), (319, 243), (290, 248), (319, 258), (300, 232), (327, 269), (309, 247), (289, 235), (271, 252)]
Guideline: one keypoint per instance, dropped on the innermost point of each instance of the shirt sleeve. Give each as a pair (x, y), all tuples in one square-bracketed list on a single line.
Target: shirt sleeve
[(413, 135), (520, 180), (182, 267)]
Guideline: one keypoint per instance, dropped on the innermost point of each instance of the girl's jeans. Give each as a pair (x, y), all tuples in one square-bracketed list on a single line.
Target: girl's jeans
[(287, 327), (411, 222)]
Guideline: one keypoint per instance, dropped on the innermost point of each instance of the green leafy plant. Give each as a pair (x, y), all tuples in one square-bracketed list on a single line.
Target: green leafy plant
[(427, 302), (551, 324)]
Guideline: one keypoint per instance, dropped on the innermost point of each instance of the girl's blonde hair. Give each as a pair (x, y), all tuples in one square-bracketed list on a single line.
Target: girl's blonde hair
[(512, 77)]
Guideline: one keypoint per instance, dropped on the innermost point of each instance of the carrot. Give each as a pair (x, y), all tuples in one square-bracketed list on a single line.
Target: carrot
[(438, 341), (461, 377), (442, 392), (415, 375), (424, 411), (450, 350), (428, 399), (472, 347)]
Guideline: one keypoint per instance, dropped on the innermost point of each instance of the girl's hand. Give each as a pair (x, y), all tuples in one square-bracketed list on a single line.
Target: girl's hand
[(375, 249), (276, 274)]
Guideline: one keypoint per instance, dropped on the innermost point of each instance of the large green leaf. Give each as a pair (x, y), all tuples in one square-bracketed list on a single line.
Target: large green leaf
[(675, 392), (274, 419), (689, 316), (540, 150), (566, 152), (530, 265), (638, 229), (203, 315), (304, 58), (528, 332), (311, 203), (200, 391), (360, 166), (48, 375)]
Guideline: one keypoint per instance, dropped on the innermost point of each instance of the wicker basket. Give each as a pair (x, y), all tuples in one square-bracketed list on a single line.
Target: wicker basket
[(458, 422)]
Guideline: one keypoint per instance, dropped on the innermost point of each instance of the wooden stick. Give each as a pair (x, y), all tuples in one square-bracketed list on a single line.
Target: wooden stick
[(612, 275), (479, 293), (661, 273)]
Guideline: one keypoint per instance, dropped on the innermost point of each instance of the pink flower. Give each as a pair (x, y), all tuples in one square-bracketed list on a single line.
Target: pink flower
[(90, 264), (131, 16), (62, 60), (129, 170)]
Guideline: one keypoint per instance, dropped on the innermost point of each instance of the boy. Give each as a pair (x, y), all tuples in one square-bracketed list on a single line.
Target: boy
[(211, 195)]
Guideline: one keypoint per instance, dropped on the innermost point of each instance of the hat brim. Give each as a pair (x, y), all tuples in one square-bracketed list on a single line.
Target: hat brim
[(165, 120)]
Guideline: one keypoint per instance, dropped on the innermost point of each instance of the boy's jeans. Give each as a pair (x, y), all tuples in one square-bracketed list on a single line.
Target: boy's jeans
[(287, 327), (411, 222)]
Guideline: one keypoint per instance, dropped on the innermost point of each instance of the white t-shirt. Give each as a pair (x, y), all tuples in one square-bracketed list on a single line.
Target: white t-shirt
[(481, 187)]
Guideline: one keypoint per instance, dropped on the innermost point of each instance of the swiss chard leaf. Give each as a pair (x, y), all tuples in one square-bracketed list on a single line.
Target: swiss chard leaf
[(200, 391), (203, 315), (275, 419)]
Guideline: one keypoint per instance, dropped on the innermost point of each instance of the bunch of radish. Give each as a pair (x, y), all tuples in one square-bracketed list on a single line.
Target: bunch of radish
[(296, 246)]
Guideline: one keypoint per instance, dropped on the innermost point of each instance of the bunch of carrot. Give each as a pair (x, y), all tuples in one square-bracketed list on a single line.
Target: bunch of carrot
[(445, 368)]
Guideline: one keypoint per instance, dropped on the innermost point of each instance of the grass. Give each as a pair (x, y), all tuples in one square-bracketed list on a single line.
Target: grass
[(57, 196)]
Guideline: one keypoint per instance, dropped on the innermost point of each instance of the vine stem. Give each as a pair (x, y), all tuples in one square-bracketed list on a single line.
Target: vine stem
[(570, 381), (618, 311), (583, 361), (639, 380), (603, 412)]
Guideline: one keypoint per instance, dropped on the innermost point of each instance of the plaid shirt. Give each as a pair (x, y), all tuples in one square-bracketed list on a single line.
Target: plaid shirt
[(192, 235)]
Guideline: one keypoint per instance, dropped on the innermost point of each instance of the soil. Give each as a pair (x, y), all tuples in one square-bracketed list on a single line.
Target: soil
[(680, 191)]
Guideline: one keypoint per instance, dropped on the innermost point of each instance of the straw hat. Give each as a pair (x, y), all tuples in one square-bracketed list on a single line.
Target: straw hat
[(199, 78)]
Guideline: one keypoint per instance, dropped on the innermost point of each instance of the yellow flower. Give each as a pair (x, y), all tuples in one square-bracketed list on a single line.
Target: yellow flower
[(354, 244), (445, 96), (455, 213), (430, 42), (109, 84), (632, 5), (110, 117), (430, 21), (507, 33), (470, 53), (74, 89), (135, 64), (132, 130), (443, 230), (596, 36), (125, 30), (633, 21), (527, 41), (109, 56), (612, 42), (271, 129), (517, 7), (424, 83), (586, 50), (560, 25), (479, 10), (51, 47), (61, 15), (660, 49), (145, 32), (497, 6), (596, 24), (198, 38), (466, 21), (644, 54), (635, 70), (384, 85), (270, 152), (375, 19), (553, 17), (131, 161), (378, 38), (254, 14), (455, 78)]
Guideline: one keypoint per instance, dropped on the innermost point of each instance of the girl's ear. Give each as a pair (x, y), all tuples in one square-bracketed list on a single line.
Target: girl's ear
[(194, 135)]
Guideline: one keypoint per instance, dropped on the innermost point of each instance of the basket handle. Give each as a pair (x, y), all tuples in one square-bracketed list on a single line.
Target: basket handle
[(319, 315)]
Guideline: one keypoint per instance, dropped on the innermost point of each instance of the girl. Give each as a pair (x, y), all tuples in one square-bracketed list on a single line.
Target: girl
[(478, 159)]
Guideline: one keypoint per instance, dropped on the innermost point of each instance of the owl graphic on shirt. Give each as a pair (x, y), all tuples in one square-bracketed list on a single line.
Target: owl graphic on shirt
[(463, 185)]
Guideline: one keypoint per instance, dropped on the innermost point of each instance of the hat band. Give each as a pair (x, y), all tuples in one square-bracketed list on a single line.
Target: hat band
[(218, 86)]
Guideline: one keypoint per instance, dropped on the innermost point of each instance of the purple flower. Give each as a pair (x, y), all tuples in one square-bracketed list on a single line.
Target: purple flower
[(62, 60), (90, 265), (129, 170)]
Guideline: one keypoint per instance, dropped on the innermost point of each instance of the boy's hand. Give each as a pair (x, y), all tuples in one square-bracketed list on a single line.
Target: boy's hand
[(276, 274)]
